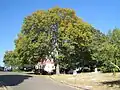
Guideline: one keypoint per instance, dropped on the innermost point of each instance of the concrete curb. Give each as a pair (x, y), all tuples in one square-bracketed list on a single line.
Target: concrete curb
[(3, 86), (71, 85)]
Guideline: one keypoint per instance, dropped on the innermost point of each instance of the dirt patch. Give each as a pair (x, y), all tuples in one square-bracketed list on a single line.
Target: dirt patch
[(93, 81)]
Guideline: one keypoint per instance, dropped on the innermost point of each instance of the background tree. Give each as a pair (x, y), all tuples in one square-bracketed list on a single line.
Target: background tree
[(107, 51), (114, 39), (11, 59), (96, 47)]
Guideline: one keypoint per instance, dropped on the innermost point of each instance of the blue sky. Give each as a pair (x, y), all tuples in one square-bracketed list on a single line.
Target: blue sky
[(102, 14)]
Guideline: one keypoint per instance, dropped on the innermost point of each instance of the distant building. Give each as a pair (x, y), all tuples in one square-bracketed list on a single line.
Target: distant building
[(46, 65)]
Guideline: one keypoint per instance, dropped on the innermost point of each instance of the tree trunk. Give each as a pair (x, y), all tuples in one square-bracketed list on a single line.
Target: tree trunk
[(57, 69)]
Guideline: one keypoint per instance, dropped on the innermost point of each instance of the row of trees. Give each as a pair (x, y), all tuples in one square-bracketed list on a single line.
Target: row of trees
[(58, 33)]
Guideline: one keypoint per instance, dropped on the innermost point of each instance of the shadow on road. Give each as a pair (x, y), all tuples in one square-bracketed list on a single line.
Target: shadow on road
[(112, 83), (31, 73), (13, 80)]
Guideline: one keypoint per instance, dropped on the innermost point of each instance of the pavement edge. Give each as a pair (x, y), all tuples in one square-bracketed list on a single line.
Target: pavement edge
[(70, 85), (5, 87)]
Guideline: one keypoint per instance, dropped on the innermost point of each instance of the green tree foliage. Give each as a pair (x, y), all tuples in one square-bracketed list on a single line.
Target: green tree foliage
[(60, 34), (98, 39), (42, 30), (106, 51), (114, 39), (11, 59)]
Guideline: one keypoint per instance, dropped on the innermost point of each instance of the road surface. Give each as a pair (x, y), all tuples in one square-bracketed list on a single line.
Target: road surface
[(20, 81)]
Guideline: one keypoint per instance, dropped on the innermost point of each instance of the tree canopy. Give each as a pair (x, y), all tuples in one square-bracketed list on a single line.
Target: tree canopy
[(60, 34)]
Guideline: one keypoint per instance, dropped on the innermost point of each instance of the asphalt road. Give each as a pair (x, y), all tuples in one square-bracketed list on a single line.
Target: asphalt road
[(20, 81)]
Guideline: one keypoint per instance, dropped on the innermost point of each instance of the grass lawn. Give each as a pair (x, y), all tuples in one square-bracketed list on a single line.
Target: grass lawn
[(92, 81)]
